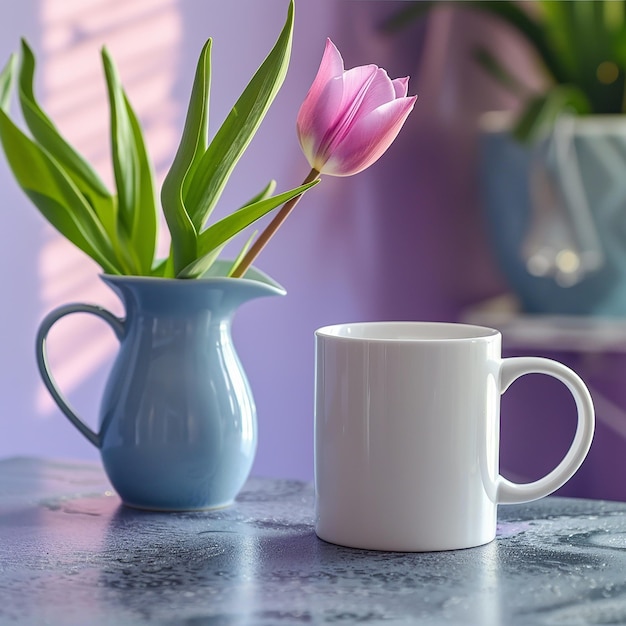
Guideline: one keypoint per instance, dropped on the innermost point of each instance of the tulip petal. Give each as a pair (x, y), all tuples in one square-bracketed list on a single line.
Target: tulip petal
[(365, 88), (401, 86), (379, 90), (349, 118), (317, 115), (355, 84), (322, 104), (369, 138), (324, 95), (331, 66)]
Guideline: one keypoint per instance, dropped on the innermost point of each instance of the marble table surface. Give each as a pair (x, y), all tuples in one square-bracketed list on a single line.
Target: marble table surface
[(71, 554)]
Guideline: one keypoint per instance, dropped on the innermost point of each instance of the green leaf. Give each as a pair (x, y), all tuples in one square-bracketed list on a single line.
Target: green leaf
[(195, 139), (55, 195), (505, 10), (48, 137), (411, 12), (192, 147), (44, 130), (163, 268), (527, 26), (225, 229), (531, 29), (133, 175), (500, 73), (77, 232), (242, 253), (203, 264), (581, 35), (266, 192), (542, 111), (6, 80), (238, 129), (145, 214)]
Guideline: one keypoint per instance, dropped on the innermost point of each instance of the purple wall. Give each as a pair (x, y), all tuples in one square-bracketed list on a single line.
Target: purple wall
[(386, 244), (404, 240)]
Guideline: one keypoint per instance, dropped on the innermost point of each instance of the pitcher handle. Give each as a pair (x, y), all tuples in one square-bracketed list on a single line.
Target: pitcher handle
[(512, 368), (54, 316)]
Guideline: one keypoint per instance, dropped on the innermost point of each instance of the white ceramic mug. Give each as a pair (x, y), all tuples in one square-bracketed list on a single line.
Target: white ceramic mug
[(407, 434)]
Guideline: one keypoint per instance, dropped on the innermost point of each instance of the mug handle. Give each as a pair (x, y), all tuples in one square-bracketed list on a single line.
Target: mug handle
[(508, 492), (54, 316)]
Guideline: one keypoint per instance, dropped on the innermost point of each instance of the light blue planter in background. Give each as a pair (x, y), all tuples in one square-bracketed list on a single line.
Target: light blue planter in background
[(178, 424), (583, 211)]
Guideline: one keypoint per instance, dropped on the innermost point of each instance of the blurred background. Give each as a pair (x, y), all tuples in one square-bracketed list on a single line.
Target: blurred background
[(418, 236)]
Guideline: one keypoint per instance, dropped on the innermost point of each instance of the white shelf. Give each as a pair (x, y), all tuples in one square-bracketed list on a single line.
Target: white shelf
[(549, 332)]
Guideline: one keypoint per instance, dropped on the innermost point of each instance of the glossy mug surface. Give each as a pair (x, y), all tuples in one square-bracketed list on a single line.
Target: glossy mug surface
[(407, 421)]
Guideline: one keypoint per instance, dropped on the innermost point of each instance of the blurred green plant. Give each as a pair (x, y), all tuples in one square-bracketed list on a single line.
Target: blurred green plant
[(119, 230), (580, 46)]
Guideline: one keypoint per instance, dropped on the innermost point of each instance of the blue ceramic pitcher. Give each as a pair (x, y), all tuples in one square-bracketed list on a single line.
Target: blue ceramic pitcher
[(177, 427)]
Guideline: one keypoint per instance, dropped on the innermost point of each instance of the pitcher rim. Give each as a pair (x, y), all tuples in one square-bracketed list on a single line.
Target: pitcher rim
[(263, 280)]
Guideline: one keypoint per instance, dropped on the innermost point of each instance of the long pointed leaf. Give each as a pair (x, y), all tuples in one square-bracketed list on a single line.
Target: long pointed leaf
[(242, 253), (202, 265), (46, 134), (44, 130), (55, 195), (578, 33), (195, 139), (63, 220), (145, 220), (163, 268), (6, 81), (500, 73), (238, 129), (266, 192), (225, 229), (534, 32), (133, 173), (125, 162), (192, 146), (542, 111)]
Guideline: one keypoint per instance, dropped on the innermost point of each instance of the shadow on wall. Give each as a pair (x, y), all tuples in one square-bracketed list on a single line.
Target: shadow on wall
[(156, 64), (144, 38)]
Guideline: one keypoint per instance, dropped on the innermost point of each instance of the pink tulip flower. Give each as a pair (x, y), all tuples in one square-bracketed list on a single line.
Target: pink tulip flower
[(349, 118), (346, 122)]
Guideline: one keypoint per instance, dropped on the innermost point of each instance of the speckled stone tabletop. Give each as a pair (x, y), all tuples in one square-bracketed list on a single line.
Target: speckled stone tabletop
[(71, 554)]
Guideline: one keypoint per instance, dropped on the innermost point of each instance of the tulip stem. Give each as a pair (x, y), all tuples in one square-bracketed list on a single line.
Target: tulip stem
[(271, 229)]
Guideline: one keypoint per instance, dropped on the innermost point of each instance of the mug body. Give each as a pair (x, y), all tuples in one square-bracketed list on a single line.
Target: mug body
[(406, 435)]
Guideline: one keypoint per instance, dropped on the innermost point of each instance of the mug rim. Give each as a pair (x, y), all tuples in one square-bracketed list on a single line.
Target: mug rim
[(412, 332)]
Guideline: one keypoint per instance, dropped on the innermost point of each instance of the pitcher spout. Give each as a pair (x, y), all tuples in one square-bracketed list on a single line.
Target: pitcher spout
[(214, 291), (256, 282)]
